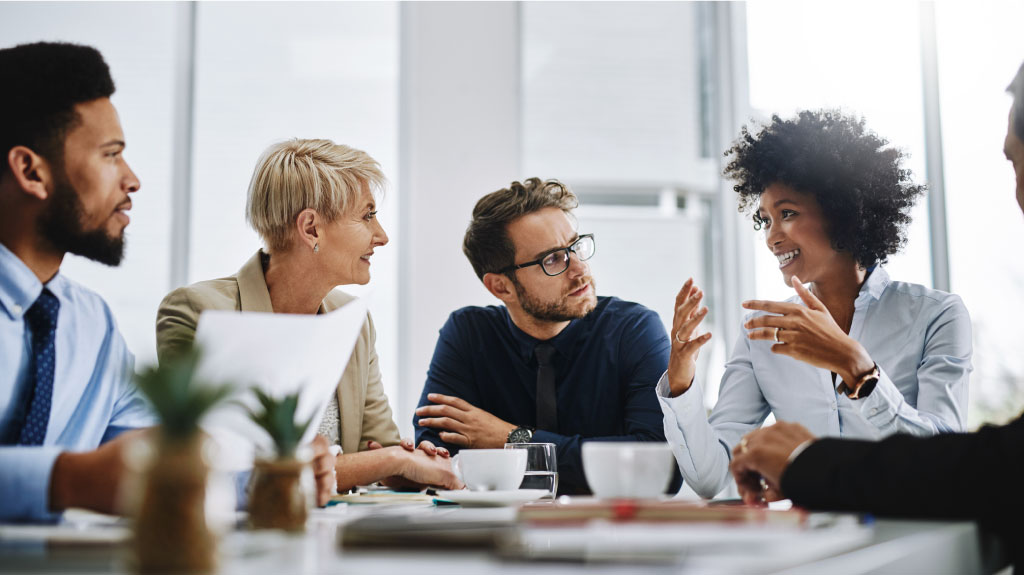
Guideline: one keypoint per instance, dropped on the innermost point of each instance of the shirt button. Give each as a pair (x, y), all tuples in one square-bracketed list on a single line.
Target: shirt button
[(17, 308), (834, 407)]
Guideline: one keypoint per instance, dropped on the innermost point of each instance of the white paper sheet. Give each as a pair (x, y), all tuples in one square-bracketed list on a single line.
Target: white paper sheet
[(279, 353)]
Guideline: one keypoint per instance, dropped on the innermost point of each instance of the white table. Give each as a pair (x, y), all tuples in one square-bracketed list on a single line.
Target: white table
[(845, 546)]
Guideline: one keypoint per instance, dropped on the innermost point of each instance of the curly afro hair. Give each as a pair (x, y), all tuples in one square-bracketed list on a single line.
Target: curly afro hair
[(864, 193), (44, 82)]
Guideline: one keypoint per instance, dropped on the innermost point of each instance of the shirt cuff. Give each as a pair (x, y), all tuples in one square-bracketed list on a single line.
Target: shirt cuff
[(882, 406), (799, 449), (25, 474)]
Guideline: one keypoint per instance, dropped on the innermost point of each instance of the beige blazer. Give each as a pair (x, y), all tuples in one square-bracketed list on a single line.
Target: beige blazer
[(365, 413)]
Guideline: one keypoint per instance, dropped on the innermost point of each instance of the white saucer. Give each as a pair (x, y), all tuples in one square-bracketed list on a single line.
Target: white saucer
[(467, 498)]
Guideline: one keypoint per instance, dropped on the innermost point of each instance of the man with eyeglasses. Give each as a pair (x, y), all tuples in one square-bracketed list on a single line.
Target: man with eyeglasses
[(555, 363)]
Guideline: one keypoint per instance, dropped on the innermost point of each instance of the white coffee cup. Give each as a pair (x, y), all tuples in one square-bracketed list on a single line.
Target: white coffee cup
[(627, 470), (490, 469)]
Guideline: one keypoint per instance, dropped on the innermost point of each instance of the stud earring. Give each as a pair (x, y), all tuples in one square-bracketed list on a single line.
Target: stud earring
[(316, 248)]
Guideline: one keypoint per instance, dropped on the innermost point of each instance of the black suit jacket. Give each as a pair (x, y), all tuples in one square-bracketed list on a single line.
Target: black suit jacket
[(976, 476)]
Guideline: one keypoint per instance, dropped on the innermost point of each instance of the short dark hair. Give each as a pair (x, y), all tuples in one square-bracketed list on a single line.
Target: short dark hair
[(487, 243), (856, 177), (43, 82), (1016, 88)]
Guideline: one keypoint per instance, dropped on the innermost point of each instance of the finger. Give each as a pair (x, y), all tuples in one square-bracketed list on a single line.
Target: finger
[(763, 334), (407, 444), (451, 400), (428, 447), (320, 444), (439, 411), (687, 328), (779, 307), (445, 423), (685, 310), (443, 452), (454, 438), (692, 347), (773, 493), (684, 292), (783, 321), (787, 349), (806, 295), (371, 445), (322, 465)]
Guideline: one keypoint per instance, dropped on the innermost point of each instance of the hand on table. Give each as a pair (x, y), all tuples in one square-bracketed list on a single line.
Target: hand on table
[(682, 363), (764, 455), (463, 424), (92, 479), (809, 334), (323, 470), (406, 444)]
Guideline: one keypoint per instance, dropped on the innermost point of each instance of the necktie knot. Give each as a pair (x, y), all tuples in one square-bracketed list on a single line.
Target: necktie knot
[(545, 352), (42, 316)]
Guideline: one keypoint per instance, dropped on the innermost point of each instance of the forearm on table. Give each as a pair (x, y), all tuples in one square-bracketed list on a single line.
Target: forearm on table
[(367, 467)]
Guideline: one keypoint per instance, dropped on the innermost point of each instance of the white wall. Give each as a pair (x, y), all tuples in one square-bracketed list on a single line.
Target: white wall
[(460, 140)]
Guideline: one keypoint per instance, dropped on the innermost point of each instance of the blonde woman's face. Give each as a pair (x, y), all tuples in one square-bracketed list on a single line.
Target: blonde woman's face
[(348, 242)]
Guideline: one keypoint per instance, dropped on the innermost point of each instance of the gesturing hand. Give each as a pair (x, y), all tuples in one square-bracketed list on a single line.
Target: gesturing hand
[(682, 363), (463, 424), (761, 457), (809, 334)]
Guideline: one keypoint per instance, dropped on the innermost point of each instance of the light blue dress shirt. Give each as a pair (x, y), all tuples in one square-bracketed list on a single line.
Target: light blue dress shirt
[(94, 398), (921, 340)]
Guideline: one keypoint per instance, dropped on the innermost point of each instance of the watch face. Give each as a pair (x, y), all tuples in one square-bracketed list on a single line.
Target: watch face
[(520, 435)]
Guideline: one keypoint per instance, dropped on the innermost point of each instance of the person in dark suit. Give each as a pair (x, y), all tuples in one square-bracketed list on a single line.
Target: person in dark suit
[(951, 476)]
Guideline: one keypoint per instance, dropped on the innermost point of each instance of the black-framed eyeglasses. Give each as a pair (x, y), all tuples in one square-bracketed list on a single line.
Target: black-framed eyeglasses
[(556, 262)]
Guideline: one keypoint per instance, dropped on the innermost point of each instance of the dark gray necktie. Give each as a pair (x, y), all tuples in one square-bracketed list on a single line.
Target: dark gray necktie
[(547, 407), (42, 321)]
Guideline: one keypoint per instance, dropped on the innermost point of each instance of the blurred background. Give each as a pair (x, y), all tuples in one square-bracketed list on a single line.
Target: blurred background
[(630, 103)]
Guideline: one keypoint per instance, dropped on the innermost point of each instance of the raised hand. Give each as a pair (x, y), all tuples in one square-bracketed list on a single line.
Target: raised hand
[(809, 333), (686, 344)]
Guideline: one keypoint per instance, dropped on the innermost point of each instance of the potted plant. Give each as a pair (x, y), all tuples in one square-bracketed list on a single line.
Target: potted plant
[(171, 534), (279, 496)]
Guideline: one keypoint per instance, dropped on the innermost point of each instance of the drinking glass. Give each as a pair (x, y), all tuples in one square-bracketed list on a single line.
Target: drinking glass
[(541, 467)]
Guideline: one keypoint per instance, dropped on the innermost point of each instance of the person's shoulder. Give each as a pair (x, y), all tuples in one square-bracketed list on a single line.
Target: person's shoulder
[(219, 294), (921, 296), (613, 309), (336, 299), (82, 300)]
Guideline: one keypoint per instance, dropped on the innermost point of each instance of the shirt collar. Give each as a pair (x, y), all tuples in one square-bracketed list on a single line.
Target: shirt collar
[(874, 285), (19, 287), (564, 342)]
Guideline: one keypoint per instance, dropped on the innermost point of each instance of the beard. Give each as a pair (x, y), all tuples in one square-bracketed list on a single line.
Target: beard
[(557, 311), (61, 225)]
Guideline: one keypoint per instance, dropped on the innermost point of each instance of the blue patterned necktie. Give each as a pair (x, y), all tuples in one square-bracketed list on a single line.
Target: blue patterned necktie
[(41, 319)]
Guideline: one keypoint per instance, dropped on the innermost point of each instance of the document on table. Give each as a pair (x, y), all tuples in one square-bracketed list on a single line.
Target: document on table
[(279, 354)]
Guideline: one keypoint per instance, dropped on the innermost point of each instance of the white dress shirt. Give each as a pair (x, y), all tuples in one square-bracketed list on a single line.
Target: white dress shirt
[(921, 340)]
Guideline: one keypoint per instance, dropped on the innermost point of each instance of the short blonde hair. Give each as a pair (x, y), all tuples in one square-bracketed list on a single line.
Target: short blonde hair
[(294, 175)]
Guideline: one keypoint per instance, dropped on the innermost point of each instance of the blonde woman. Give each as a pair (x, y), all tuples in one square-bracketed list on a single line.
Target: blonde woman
[(313, 203)]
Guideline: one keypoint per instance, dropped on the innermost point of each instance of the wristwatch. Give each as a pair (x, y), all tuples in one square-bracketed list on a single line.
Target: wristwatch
[(520, 435), (863, 387)]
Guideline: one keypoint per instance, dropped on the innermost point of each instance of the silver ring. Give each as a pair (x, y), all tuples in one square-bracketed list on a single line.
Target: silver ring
[(743, 445), (676, 337), (777, 330)]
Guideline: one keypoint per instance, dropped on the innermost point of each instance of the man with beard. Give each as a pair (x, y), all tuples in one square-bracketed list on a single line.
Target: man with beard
[(65, 371), (555, 364), (948, 476)]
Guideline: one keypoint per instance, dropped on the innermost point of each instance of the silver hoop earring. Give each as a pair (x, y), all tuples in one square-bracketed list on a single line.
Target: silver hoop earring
[(316, 248)]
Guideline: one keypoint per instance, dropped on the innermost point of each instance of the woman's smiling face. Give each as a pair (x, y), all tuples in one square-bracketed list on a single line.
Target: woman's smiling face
[(797, 234)]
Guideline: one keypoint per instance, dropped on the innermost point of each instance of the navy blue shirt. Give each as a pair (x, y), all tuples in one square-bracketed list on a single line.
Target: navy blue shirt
[(606, 368)]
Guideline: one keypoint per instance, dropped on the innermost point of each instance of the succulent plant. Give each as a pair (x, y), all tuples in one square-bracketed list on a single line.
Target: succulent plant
[(278, 419), (178, 402)]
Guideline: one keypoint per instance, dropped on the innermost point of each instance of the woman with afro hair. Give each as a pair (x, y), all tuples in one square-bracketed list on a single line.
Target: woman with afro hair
[(853, 353)]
